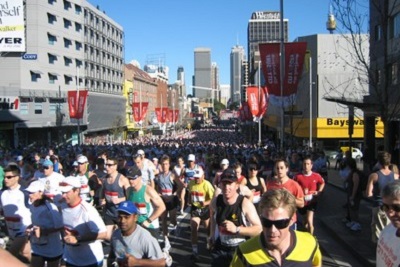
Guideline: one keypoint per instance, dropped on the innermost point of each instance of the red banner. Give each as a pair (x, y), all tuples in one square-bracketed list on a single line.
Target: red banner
[(263, 101), (139, 110), (176, 115), (253, 100), (158, 114), (164, 115), (76, 103), (170, 115), (294, 60)]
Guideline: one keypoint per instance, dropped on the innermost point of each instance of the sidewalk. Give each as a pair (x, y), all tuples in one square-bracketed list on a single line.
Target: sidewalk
[(358, 243)]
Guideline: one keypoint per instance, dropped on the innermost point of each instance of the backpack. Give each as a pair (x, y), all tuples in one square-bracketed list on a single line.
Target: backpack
[(363, 180)]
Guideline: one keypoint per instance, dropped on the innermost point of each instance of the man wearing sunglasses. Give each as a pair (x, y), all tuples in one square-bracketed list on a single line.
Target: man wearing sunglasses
[(233, 219), (278, 245), (388, 249), (51, 181)]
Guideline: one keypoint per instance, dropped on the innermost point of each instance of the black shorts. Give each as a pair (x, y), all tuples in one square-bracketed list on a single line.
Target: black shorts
[(171, 202), (202, 213), (109, 220), (48, 258), (311, 206)]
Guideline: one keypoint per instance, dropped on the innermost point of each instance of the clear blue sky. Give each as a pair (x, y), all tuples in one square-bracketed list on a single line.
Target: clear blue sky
[(175, 28)]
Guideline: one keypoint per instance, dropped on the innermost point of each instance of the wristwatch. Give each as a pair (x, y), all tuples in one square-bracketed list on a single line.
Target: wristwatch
[(237, 229), (149, 220)]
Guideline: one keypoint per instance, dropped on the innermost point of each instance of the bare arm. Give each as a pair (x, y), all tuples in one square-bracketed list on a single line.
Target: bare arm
[(156, 202), (373, 177), (252, 217)]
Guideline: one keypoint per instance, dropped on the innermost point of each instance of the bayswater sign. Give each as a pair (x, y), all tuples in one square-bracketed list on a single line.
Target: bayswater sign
[(12, 27)]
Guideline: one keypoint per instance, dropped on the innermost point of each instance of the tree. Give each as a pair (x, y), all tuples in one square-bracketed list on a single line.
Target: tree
[(218, 106), (379, 65)]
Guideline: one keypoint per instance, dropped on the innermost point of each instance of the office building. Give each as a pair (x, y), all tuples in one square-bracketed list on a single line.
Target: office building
[(237, 72), (70, 45), (202, 73)]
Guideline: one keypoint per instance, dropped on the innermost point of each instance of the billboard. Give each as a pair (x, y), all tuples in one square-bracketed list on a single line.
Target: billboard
[(12, 27)]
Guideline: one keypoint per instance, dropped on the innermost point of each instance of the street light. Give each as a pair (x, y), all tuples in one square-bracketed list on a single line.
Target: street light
[(282, 73)]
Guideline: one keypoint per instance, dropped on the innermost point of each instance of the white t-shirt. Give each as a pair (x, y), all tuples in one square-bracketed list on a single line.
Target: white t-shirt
[(82, 220), (52, 184), (15, 206), (388, 249)]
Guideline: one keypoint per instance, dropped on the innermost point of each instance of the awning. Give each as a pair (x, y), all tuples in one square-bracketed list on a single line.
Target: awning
[(37, 72), (54, 74), (69, 76), (53, 54)]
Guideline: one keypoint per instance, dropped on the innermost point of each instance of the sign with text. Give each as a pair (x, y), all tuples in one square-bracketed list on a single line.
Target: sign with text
[(12, 26)]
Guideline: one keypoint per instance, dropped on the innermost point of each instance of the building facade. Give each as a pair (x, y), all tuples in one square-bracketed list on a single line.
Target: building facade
[(69, 46), (202, 73), (237, 61)]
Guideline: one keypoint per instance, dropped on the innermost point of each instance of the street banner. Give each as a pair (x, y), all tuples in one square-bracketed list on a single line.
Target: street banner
[(164, 115), (176, 115), (253, 100), (294, 60), (143, 113), (76, 103), (263, 106)]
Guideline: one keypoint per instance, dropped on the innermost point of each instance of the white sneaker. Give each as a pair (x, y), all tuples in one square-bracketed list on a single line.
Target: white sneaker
[(355, 227)]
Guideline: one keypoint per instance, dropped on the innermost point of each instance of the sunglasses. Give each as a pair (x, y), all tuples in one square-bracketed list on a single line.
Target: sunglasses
[(46, 167), (252, 169), (387, 208), (10, 176), (279, 224), (110, 164)]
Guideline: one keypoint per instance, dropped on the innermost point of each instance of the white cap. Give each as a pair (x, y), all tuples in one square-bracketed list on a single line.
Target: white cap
[(19, 158), (140, 152), (75, 163), (35, 186), (198, 173), (69, 183), (225, 162), (191, 157), (82, 159)]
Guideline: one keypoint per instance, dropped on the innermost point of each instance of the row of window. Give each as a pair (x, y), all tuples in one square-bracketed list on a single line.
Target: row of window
[(67, 6), (106, 27), (38, 108), (392, 74)]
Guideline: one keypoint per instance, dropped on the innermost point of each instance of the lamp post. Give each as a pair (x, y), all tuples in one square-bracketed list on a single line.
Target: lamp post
[(259, 98), (77, 100), (311, 102), (282, 73)]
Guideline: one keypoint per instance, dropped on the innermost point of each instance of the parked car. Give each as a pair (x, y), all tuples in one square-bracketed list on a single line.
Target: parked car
[(355, 152)]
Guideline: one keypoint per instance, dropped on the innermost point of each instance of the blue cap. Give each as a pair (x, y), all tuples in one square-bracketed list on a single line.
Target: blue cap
[(47, 163), (128, 207)]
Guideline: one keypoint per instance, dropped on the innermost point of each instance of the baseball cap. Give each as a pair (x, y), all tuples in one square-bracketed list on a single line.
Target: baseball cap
[(35, 186), (133, 172), (127, 207), (75, 163), (19, 158), (225, 162), (69, 183), (229, 175), (140, 152), (198, 173), (47, 163), (82, 159), (191, 157)]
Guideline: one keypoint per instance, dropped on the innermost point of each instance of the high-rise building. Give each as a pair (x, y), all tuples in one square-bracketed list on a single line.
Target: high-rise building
[(263, 27), (237, 59), (181, 81), (202, 73), (70, 45), (215, 81)]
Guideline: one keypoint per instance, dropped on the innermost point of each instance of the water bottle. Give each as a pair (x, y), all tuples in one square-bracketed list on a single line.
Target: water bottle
[(120, 253)]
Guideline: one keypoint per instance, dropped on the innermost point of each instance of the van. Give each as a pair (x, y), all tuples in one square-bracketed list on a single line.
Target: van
[(355, 153)]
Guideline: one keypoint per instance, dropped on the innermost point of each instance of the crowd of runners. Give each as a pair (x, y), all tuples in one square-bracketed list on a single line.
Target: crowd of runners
[(61, 205)]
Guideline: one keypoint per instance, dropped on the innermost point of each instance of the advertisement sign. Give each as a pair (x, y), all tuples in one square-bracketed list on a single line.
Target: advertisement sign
[(294, 60), (76, 103), (10, 103), (12, 26)]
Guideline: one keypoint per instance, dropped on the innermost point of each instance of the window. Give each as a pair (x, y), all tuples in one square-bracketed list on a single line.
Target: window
[(68, 79), (395, 26), (52, 78), (53, 109), (67, 23), (38, 108), (67, 61), (35, 75), (24, 108), (78, 9), (52, 58), (78, 63), (51, 18), (51, 1), (67, 43), (51, 38), (78, 27), (67, 5), (78, 45), (394, 73), (378, 32)]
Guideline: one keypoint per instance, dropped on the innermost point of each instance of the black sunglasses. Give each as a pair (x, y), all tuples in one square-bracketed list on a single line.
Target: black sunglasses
[(394, 207), (10, 176), (252, 169), (46, 167), (279, 224), (110, 164)]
